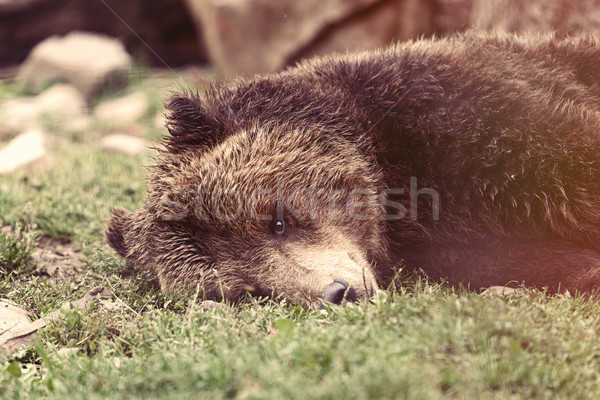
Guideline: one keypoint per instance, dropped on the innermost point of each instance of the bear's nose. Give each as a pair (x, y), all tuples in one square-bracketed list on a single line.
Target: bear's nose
[(339, 292)]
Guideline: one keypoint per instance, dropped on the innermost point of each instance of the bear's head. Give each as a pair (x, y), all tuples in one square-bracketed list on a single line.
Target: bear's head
[(268, 209)]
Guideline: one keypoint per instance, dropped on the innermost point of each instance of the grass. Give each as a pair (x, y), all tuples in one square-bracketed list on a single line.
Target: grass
[(425, 341), (15, 251)]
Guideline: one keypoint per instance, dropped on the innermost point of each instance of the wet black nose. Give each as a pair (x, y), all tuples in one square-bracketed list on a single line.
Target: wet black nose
[(338, 293)]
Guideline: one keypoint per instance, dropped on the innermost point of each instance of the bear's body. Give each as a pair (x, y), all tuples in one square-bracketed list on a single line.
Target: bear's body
[(475, 158)]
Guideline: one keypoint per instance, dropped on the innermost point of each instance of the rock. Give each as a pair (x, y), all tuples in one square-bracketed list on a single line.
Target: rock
[(25, 152), (11, 315), (90, 62), (500, 291), (13, 318), (62, 100), (124, 144), (65, 107), (248, 36), (123, 110), (211, 305), (61, 104), (160, 121), (19, 114)]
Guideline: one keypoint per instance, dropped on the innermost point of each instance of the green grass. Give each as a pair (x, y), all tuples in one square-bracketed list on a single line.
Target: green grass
[(15, 251), (425, 341), (73, 199)]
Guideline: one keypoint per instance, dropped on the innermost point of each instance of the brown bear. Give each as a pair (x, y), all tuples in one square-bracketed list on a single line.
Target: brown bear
[(475, 158)]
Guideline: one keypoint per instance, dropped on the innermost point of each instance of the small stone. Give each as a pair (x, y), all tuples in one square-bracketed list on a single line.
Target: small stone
[(62, 100), (500, 291), (25, 152), (20, 113), (160, 121), (65, 106), (12, 319), (123, 110), (124, 144), (11, 315), (211, 305), (61, 104)]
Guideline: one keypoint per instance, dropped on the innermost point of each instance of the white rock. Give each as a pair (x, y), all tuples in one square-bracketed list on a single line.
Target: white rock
[(11, 315), (62, 100), (14, 321), (124, 144), (160, 121), (90, 62), (20, 113), (29, 150), (123, 110), (65, 106), (62, 104), (501, 291)]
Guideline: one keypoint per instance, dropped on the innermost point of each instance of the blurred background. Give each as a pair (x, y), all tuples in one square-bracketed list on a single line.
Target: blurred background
[(248, 36), (106, 66)]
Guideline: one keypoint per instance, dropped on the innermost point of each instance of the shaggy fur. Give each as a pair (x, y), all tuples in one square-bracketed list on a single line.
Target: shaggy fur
[(475, 158)]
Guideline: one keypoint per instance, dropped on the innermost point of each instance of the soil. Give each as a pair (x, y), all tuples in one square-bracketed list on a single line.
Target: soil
[(57, 259)]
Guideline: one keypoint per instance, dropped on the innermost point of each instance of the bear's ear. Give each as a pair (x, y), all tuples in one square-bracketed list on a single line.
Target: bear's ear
[(119, 223), (191, 122)]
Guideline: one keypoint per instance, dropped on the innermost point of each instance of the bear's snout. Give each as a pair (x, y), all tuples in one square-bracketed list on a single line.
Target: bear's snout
[(334, 272), (339, 292)]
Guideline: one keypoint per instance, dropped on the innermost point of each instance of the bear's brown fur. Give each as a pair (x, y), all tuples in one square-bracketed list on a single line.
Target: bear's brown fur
[(475, 158)]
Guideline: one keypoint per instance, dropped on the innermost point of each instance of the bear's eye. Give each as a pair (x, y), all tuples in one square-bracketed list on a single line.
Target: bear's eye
[(279, 226)]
